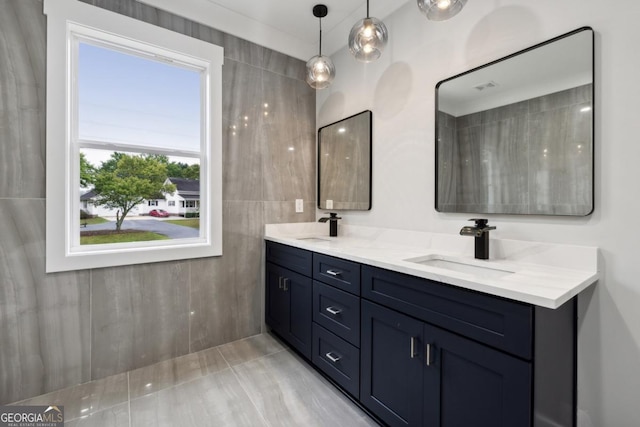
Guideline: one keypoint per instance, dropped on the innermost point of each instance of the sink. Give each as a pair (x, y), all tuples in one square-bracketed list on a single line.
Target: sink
[(460, 266), (313, 239)]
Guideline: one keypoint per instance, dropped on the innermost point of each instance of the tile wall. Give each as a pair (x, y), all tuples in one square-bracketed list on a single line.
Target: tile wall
[(62, 329), (541, 147), (345, 163)]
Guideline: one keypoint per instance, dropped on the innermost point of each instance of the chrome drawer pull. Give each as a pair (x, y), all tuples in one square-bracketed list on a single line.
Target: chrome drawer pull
[(413, 347), (334, 272), (280, 282), (333, 358), (333, 310), (428, 354), (284, 284)]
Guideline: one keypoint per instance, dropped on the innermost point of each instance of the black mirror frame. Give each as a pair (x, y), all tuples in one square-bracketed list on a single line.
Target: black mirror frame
[(593, 102)]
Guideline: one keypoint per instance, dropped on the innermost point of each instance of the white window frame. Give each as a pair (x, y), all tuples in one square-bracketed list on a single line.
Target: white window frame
[(66, 21)]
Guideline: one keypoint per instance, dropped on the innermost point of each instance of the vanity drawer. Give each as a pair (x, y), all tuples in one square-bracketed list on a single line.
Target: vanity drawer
[(292, 258), (337, 358), (337, 272), (337, 311), (494, 321)]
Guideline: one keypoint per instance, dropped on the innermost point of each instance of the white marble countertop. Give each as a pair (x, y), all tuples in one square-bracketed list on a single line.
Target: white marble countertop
[(543, 274)]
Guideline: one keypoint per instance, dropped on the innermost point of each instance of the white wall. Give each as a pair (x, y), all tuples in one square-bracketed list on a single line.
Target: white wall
[(399, 89)]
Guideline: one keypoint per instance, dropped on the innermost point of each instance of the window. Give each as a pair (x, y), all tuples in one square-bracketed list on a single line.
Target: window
[(171, 203), (133, 117), (189, 204)]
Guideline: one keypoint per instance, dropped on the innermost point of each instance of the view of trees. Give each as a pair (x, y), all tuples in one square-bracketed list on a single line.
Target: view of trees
[(87, 171), (126, 180)]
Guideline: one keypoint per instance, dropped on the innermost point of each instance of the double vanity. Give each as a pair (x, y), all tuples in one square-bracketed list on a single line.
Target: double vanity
[(427, 329), (415, 329)]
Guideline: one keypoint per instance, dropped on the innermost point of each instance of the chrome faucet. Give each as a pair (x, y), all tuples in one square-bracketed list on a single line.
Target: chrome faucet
[(481, 234), (333, 223)]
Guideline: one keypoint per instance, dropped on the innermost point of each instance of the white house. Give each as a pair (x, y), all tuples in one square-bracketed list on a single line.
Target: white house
[(184, 202), (186, 199)]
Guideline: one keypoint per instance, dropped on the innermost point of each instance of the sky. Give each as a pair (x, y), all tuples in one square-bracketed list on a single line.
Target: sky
[(127, 98)]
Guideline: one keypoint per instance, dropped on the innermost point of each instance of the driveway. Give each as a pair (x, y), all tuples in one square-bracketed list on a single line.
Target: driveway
[(172, 231)]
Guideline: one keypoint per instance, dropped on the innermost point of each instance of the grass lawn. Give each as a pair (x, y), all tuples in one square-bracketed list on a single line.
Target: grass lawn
[(192, 222), (91, 221), (122, 237)]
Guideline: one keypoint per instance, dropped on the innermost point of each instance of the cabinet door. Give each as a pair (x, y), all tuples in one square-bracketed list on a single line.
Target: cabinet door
[(391, 365), (300, 289), (277, 301), (288, 306), (469, 384)]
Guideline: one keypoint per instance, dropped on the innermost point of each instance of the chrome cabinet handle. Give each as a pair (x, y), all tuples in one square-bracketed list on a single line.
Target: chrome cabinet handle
[(333, 358), (282, 283), (334, 273), (333, 310), (428, 353), (413, 347)]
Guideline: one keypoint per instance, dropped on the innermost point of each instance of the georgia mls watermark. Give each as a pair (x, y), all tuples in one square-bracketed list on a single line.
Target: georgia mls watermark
[(32, 416)]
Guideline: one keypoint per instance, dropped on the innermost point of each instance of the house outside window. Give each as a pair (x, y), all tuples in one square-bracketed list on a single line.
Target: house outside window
[(187, 194)]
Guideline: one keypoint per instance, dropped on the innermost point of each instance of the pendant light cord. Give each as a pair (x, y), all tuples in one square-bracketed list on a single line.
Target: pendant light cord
[(368, 9), (320, 44)]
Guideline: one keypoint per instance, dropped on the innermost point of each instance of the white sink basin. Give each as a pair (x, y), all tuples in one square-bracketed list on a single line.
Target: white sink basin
[(459, 266), (313, 239)]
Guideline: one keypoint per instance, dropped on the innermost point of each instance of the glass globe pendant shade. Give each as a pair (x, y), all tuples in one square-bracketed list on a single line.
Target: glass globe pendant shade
[(367, 39), (441, 10), (320, 72)]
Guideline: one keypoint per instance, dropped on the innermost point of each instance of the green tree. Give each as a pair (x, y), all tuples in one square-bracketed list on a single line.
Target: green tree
[(127, 180), (176, 169), (87, 171), (111, 164), (192, 171), (159, 157)]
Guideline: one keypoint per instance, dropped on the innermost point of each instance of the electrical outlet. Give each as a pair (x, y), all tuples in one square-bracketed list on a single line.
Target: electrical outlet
[(329, 204), (299, 206)]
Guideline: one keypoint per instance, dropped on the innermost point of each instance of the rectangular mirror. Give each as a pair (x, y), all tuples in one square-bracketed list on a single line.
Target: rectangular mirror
[(515, 136), (344, 163)]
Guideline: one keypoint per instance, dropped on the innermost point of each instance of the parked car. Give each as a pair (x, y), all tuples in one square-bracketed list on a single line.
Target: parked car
[(161, 213)]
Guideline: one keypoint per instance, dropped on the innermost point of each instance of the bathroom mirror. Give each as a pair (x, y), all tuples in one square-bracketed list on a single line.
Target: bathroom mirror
[(515, 136), (344, 164)]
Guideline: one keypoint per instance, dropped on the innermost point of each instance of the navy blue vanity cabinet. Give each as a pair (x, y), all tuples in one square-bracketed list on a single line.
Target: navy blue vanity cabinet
[(391, 361), (497, 322), (438, 355), (415, 374), (337, 311), (339, 273), (289, 295), (415, 352), (470, 384), (336, 320)]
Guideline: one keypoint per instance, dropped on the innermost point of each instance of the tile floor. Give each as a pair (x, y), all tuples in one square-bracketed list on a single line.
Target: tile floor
[(252, 382)]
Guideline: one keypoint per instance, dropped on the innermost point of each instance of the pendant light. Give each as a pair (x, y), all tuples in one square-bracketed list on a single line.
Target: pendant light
[(367, 38), (320, 69), (441, 10)]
